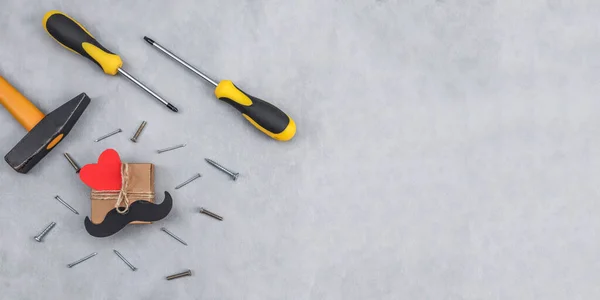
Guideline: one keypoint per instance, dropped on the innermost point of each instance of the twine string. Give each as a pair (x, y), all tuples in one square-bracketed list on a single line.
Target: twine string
[(123, 191), (123, 196)]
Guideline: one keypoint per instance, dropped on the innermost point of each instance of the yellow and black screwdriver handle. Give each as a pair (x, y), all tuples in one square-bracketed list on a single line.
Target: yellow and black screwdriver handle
[(263, 115), (73, 36)]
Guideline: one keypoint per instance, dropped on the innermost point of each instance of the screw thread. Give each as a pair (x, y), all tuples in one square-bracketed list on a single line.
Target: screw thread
[(41, 235), (179, 275), (139, 131), (72, 162), (209, 213)]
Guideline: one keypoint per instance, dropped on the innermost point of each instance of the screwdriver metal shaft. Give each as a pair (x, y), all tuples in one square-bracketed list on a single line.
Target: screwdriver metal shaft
[(179, 60), (149, 91)]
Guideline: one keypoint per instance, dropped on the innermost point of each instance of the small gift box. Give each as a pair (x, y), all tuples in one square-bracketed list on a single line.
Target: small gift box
[(138, 184), (122, 194)]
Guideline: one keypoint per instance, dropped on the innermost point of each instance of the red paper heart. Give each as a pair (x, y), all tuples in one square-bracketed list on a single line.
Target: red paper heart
[(106, 174)]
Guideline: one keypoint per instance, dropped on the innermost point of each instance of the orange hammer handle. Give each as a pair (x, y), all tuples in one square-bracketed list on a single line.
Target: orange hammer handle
[(18, 106)]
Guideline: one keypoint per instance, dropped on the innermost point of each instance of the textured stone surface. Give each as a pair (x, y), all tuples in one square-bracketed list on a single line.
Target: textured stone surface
[(445, 150)]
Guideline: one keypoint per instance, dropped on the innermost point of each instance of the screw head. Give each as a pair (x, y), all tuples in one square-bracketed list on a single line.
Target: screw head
[(38, 239), (235, 176), (133, 140)]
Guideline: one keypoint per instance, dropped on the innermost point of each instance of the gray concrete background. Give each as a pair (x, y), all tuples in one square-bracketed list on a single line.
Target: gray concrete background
[(445, 150)]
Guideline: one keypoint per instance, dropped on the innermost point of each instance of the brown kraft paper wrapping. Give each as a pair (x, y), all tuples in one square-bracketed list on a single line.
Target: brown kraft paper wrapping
[(140, 180)]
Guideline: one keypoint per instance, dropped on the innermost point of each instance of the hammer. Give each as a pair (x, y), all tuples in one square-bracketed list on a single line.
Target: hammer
[(44, 132)]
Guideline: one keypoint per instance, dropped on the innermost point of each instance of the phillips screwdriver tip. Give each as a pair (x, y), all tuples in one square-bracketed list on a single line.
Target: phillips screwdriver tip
[(173, 108), (149, 40)]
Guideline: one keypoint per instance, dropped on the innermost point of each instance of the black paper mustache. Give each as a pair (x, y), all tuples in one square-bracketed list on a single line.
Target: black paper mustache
[(140, 210)]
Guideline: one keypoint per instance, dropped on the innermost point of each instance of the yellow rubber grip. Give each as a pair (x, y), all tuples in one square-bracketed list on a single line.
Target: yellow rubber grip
[(73, 36), (263, 115), (19, 107)]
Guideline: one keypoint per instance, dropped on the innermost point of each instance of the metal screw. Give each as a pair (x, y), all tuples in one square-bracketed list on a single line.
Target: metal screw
[(42, 234), (138, 132), (209, 213), (124, 260), (233, 175), (81, 260), (57, 197), (179, 275), (173, 236), (188, 181), (171, 148), (72, 162), (108, 135)]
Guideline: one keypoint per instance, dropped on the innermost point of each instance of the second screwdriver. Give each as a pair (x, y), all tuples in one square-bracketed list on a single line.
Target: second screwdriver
[(263, 115), (73, 36)]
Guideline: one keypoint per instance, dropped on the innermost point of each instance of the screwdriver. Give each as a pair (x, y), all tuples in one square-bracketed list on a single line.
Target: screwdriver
[(263, 115), (73, 36)]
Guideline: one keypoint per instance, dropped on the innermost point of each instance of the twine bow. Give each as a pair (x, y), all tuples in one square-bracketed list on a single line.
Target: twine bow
[(123, 192), (123, 197)]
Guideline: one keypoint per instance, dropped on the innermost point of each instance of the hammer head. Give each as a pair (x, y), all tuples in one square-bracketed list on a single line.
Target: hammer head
[(46, 134)]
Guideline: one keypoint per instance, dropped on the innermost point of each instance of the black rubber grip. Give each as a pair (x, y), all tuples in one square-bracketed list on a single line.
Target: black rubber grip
[(263, 113), (71, 35)]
